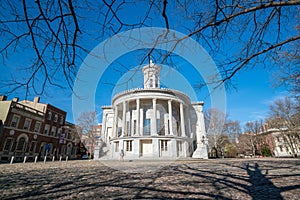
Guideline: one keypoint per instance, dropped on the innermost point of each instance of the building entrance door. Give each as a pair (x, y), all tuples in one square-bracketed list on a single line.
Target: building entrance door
[(146, 148)]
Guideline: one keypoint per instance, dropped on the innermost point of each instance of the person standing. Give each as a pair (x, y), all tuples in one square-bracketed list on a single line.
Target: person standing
[(122, 155)]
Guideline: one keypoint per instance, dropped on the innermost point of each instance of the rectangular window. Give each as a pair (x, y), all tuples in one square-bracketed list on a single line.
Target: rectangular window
[(27, 124), (158, 126), (8, 143), (127, 129), (116, 146), (147, 126), (53, 131), (134, 127), (37, 127), (108, 133), (278, 139), (164, 145), (179, 146), (15, 121), (47, 128), (128, 145), (119, 131)]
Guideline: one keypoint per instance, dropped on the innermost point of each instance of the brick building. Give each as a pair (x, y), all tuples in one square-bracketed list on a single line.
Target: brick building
[(31, 129)]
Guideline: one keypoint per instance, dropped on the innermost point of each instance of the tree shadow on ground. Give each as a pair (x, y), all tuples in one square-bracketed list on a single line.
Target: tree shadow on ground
[(261, 187), (198, 180)]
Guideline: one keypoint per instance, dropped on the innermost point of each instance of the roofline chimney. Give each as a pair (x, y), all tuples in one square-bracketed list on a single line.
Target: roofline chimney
[(3, 98), (16, 99), (36, 100)]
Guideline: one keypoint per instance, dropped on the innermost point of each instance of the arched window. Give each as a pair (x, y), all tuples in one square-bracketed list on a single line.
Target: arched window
[(55, 118), (8, 144), (21, 144), (150, 82), (61, 120), (49, 115)]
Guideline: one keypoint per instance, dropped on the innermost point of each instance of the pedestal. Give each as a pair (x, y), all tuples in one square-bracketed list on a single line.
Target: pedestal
[(201, 151)]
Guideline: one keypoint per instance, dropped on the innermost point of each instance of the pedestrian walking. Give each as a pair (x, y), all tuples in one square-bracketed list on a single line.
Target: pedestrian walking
[(122, 155)]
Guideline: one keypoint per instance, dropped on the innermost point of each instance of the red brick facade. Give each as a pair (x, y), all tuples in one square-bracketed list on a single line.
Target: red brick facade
[(32, 129)]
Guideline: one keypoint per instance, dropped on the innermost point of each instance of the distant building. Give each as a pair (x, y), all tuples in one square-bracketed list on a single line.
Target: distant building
[(90, 141), (71, 140), (282, 142), (152, 123), (31, 129), (277, 142)]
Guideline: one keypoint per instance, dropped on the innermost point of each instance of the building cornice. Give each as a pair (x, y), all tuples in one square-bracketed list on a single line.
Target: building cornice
[(167, 91)]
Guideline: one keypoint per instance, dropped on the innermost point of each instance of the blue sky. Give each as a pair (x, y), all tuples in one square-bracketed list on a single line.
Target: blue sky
[(249, 101)]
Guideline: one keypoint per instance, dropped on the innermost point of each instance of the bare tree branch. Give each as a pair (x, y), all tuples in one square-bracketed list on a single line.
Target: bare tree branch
[(165, 15), (236, 33)]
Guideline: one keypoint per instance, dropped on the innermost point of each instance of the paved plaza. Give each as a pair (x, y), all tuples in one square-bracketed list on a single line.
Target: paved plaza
[(195, 179)]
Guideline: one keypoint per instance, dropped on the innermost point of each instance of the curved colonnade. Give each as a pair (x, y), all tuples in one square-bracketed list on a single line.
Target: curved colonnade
[(151, 123)]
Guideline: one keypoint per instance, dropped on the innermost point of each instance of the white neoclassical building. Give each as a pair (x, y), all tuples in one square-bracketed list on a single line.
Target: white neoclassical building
[(152, 123)]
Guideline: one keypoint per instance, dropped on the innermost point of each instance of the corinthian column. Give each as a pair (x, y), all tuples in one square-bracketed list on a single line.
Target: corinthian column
[(137, 128), (154, 119), (182, 124), (170, 117), (115, 122), (124, 119)]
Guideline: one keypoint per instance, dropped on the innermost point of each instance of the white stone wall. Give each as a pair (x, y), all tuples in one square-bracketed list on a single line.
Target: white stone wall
[(173, 109)]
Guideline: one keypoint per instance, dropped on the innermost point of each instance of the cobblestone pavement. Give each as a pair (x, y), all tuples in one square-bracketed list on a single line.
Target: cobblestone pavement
[(201, 179)]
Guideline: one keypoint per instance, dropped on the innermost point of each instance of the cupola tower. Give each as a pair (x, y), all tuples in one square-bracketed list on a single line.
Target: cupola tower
[(151, 76)]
